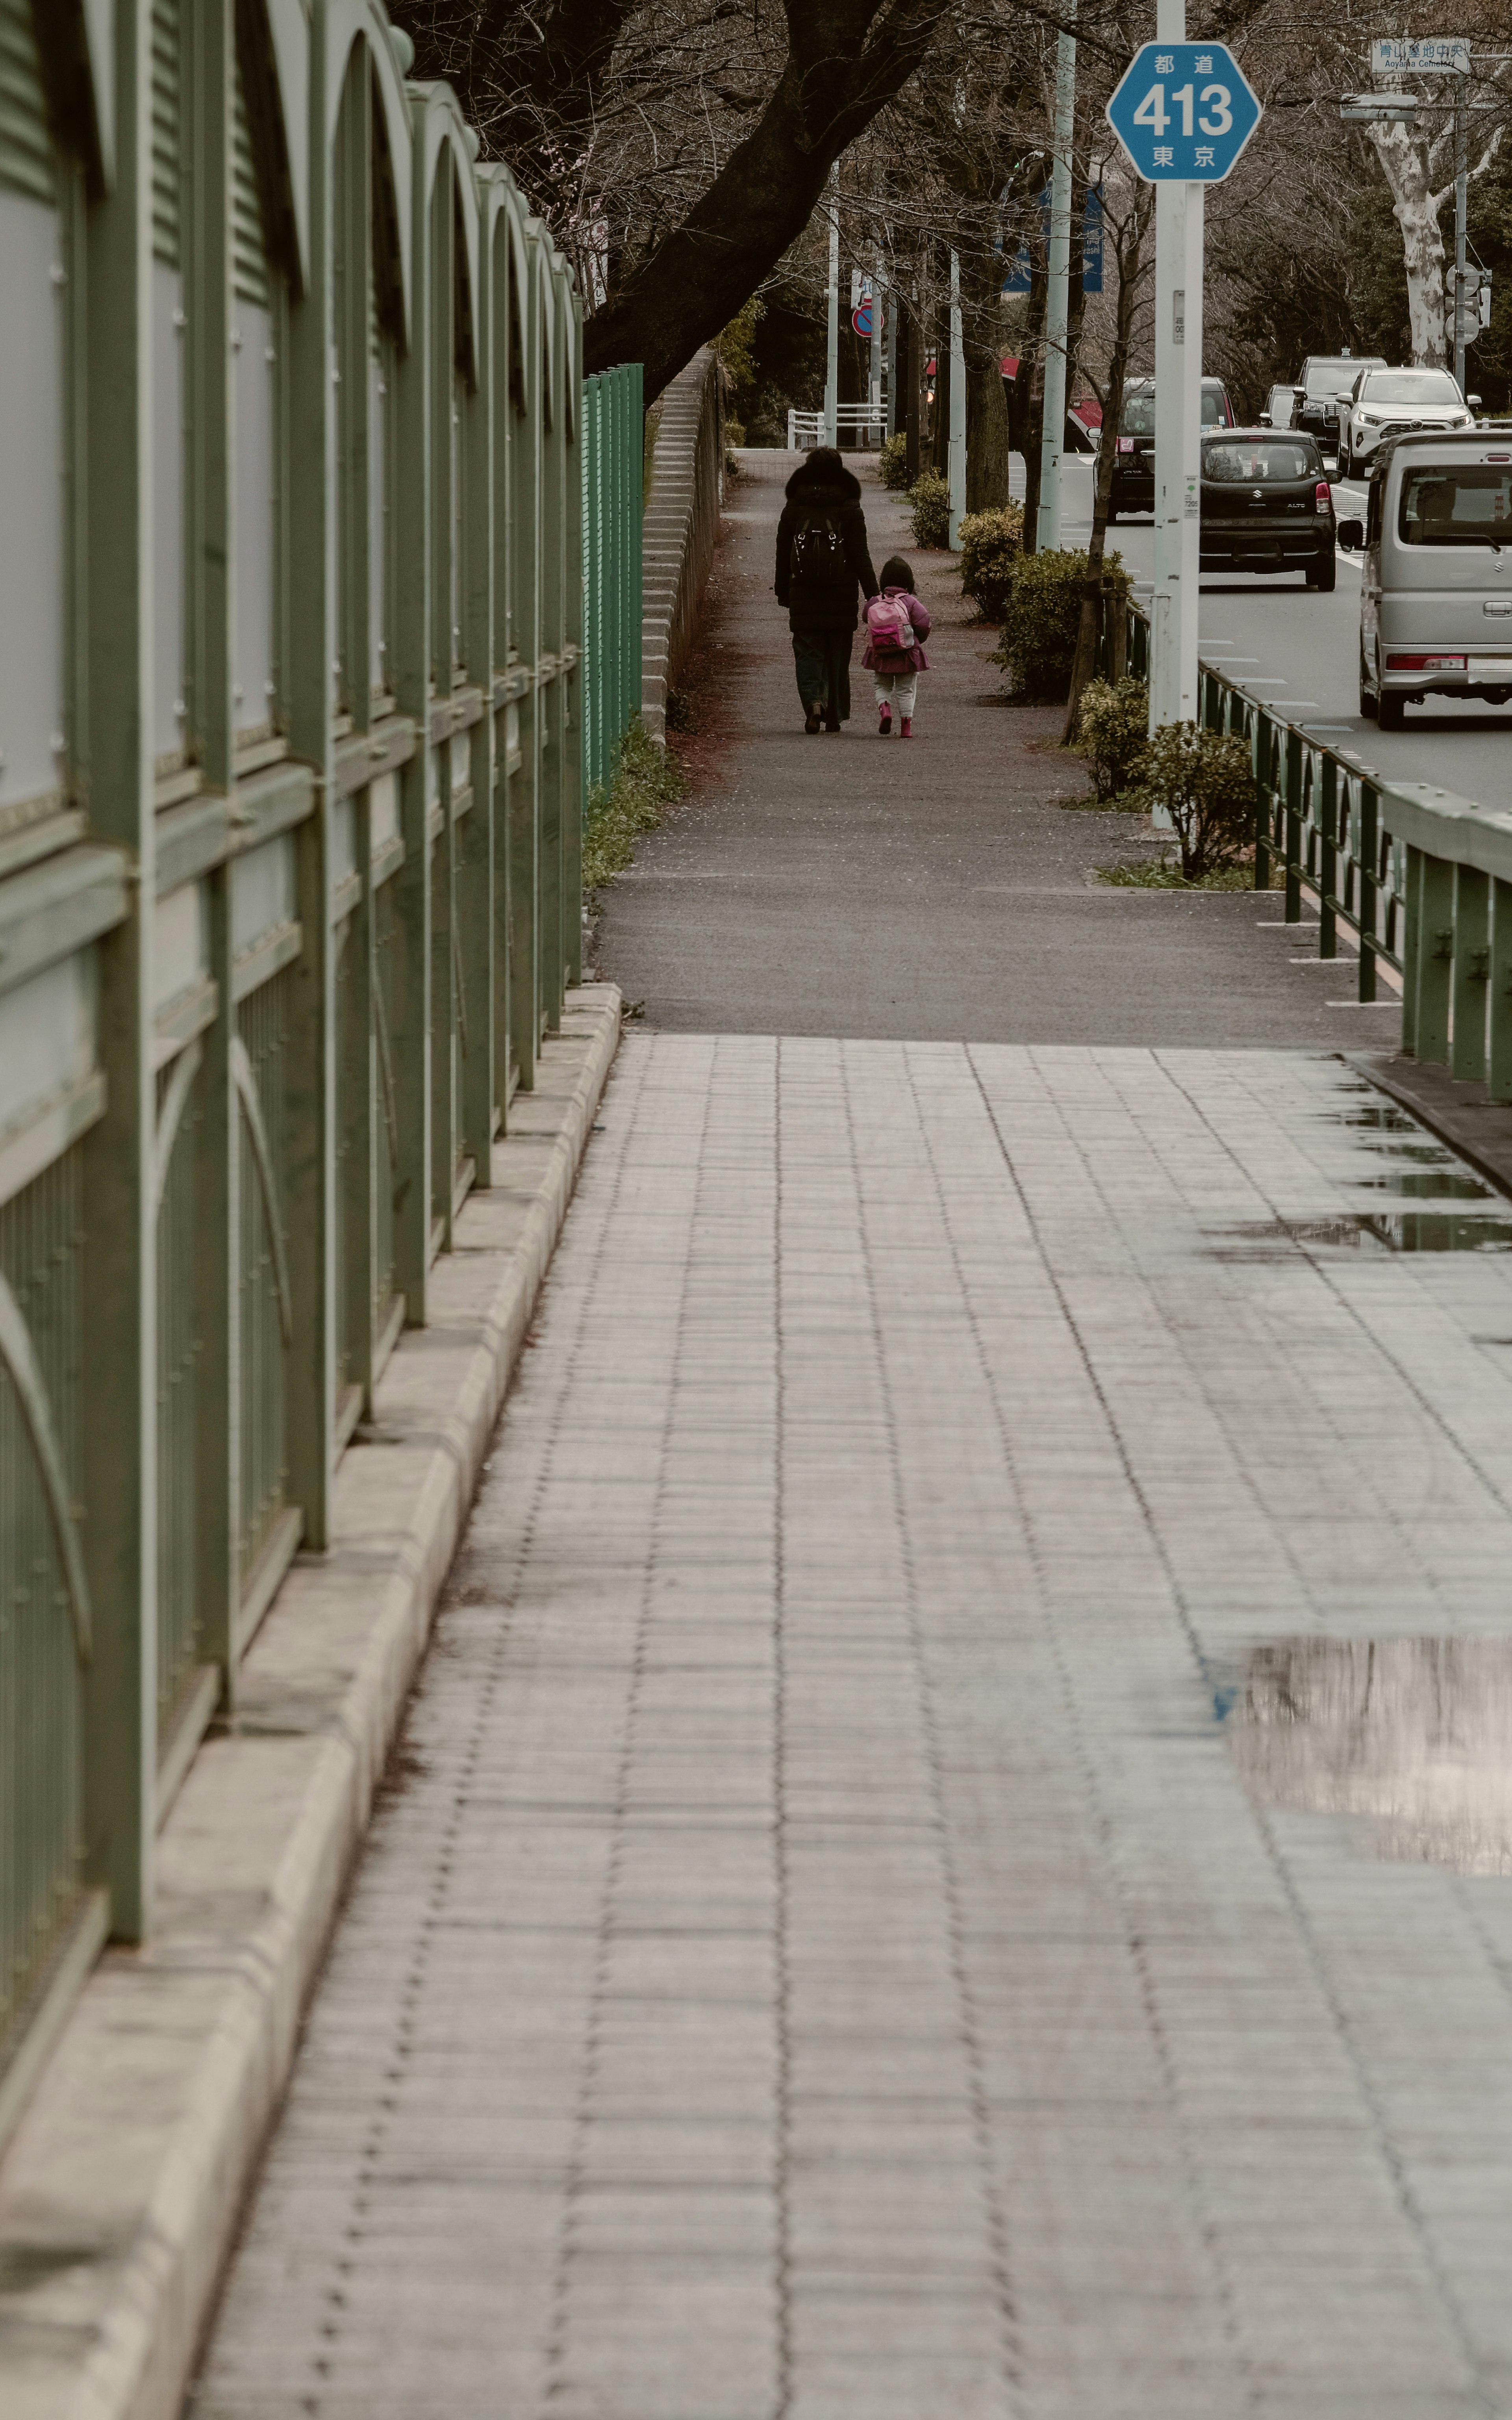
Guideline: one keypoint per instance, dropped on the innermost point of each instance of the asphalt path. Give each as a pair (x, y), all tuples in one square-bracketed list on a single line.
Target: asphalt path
[(1299, 652), (938, 889)]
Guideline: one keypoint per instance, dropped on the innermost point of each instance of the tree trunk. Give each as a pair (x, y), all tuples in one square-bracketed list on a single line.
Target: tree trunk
[(1404, 158), (1025, 405), (910, 390), (987, 438), (940, 445), (1094, 600)]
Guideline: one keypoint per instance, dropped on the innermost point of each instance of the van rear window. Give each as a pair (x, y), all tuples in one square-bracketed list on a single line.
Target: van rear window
[(1264, 457), (1457, 504)]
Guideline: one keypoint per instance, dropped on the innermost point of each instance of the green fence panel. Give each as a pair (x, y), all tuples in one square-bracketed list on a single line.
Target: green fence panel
[(396, 585)]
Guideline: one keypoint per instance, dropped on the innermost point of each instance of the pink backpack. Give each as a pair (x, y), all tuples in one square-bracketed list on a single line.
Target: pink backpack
[(887, 625)]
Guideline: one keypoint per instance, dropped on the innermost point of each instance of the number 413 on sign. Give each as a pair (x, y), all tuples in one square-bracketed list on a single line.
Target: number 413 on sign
[(1183, 112)]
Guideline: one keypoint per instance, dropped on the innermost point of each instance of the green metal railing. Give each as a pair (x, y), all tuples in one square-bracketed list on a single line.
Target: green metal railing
[(1420, 877), (310, 507), (612, 472)]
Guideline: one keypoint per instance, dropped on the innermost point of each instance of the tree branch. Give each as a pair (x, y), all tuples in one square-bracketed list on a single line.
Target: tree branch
[(846, 60)]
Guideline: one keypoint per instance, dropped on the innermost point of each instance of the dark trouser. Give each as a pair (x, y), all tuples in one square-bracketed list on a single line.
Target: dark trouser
[(823, 661)]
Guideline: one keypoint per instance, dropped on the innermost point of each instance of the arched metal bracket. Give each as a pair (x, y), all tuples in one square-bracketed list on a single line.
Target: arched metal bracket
[(170, 1115), (18, 1355), (252, 1110)]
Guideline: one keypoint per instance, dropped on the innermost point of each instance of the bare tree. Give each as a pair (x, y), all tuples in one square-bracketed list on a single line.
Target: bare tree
[(1126, 219)]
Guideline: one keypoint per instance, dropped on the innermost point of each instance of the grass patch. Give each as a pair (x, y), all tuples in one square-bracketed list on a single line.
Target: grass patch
[(1126, 802), (645, 781), (1164, 873)]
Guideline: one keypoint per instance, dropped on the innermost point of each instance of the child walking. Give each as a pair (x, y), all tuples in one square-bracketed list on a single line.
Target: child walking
[(896, 623)]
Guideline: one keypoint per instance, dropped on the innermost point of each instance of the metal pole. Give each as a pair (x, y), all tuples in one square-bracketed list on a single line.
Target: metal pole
[(956, 456), (832, 363), (1058, 300), (1461, 190), (895, 419), (873, 402), (1179, 227)]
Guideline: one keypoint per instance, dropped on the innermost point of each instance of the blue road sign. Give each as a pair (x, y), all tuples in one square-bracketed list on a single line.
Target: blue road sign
[(862, 318), (1184, 112), (1020, 273)]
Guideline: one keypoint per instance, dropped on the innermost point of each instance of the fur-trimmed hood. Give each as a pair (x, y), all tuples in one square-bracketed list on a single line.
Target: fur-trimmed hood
[(823, 483)]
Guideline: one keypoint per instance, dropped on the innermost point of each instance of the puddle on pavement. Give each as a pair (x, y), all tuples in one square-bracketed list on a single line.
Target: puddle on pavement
[(1381, 1117), (1448, 1184), (1374, 1231), (1413, 1737)]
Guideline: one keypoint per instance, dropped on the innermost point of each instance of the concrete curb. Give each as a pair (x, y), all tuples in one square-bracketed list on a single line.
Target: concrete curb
[(122, 2190)]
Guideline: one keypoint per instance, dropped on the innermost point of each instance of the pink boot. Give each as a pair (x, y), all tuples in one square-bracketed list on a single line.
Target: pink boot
[(884, 722), (905, 728)]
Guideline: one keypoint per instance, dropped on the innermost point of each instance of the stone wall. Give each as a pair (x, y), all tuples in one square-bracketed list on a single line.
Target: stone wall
[(682, 523)]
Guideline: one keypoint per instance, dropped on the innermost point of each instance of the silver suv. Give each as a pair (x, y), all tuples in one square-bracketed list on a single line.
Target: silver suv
[(1386, 403)]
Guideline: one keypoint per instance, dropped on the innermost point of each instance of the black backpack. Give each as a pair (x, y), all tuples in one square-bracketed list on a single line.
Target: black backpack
[(819, 553)]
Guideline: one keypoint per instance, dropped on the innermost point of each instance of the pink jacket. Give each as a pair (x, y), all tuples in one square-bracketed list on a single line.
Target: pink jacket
[(893, 663)]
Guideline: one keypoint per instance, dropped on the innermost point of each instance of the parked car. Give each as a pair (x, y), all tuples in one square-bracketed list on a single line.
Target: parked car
[(1316, 394), (1436, 590), (1266, 506), (1384, 403), (1280, 406), (1134, 462)]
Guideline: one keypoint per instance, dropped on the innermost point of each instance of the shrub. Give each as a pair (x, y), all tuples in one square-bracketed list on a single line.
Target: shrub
[(1203, 779), (930, 497), (1112, 732), (1043, 616), (990, 544), (644, 782), (892, 462)]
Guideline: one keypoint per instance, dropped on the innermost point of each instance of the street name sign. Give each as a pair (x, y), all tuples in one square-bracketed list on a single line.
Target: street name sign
[(1184, 112), (1433, 54)]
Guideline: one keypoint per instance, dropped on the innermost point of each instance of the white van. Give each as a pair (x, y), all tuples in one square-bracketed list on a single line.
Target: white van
[(1436, 598)]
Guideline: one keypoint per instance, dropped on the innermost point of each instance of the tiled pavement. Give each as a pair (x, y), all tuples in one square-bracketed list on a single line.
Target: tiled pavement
[(942, 1866)]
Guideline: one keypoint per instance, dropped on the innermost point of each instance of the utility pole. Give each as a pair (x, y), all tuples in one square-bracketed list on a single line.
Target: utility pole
[(1179, 229), (895, 362), (1057, 298), (832, 366), (1461, 207), (956, 455)]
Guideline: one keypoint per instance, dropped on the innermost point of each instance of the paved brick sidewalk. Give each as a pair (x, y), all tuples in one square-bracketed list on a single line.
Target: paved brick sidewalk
[(944, 1868)]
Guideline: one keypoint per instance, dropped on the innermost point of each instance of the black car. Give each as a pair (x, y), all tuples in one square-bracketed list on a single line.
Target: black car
[(1322, 380), (1266, 506), (1133, 459)]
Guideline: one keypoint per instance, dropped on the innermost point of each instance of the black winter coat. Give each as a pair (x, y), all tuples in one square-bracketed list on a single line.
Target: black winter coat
[(815, 493)]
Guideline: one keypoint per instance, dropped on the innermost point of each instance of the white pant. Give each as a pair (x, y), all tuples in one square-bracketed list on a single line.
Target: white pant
[(897, 689)]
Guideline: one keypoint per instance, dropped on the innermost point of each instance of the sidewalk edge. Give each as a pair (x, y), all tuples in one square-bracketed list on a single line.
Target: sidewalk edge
[(256, 1854)]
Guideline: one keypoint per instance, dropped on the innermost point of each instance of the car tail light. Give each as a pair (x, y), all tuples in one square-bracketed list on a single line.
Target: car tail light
[(1322, 497), (1126, 444), (1425, 663)]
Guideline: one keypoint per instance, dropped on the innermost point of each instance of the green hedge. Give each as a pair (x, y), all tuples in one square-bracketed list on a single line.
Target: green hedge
[(892, 462), (930, 497), (1112, 732), (990, 545), (1204, 781), (1043, 616)]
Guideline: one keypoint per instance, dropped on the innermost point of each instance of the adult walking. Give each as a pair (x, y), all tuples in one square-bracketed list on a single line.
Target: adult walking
[(823, 566)]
